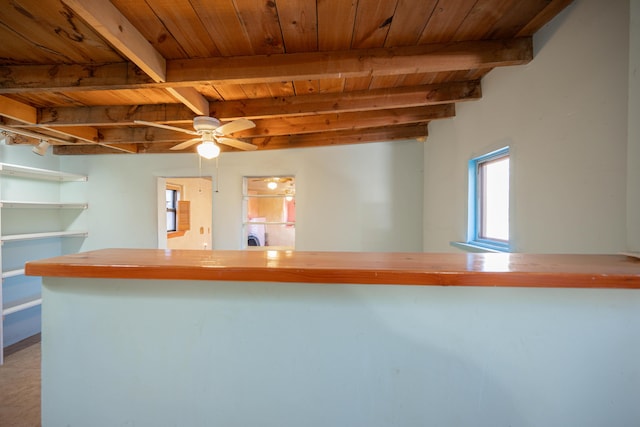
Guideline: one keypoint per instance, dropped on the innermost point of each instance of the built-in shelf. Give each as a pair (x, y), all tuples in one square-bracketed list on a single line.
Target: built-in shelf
[(12, 273), (36, 173), (21, 304), (41, 205), (33, 236), (42, 216)]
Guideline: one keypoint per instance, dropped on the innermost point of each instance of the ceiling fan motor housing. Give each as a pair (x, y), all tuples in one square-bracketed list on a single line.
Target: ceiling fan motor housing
[(205, 123)]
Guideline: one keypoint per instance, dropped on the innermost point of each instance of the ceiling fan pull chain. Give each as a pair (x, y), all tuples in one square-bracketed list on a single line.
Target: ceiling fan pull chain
[(217, 170)]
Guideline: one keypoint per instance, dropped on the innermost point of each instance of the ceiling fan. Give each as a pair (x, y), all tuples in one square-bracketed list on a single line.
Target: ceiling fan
[(209, 132)]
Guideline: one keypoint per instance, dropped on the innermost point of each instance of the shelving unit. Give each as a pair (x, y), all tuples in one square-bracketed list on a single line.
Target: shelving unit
[(33, 236), (47, 211), (21, 304), (36, 173), (41, 205)]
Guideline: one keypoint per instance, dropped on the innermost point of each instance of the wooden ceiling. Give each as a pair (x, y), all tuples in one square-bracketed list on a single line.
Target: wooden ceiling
[(307, 72)]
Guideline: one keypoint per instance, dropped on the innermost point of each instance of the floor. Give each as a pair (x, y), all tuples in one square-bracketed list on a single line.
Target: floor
[(20, 387)]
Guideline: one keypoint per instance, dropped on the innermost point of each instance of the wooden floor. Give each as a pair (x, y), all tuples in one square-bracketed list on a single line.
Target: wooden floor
[(20, 385)]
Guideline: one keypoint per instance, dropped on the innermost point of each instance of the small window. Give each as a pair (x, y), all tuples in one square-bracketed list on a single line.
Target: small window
[(172, 197), (489, 201), (178, 212), (269, 212)]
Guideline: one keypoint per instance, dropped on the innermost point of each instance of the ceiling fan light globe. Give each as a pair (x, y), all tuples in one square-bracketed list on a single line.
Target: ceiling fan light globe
[(208, 150)]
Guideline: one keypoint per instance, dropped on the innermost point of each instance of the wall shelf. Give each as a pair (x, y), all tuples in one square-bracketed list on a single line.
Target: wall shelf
[(36, 173), (12, 273), (21, 304), (41, 205), (45, 214), (47, 235)]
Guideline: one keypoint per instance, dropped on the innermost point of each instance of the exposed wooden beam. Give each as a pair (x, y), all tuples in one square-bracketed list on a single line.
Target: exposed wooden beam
[(350, 64), (191, 98), (116, 115), (17, 110), (96, 149), (377, 99), (111, 24), (391, 133), (84, 133), (292, 125), (347, 121), (23, 113), (177, 114), (88, 135), (356, 63), (141, 135), (72, 77), (79, 149), (359, 136), (277, 68), (33, 136)]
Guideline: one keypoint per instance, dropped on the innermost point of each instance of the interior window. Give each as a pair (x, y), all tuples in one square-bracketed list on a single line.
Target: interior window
[(269, 212)]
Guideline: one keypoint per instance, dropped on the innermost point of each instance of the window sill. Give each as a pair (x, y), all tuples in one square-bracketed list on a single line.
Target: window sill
[(173, 234), (477, 248)]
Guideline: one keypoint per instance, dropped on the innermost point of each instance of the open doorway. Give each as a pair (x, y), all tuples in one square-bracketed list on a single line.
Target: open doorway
[(269, 212), (185, 213)]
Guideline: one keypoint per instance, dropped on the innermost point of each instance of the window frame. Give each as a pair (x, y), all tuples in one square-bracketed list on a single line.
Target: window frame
[(177, 210), (475, 203), (174, 209)]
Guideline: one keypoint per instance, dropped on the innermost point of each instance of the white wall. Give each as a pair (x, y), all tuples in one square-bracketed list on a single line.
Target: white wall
[(633, 156), (355, 198), (288, 354), (22, 155), (565, 117)]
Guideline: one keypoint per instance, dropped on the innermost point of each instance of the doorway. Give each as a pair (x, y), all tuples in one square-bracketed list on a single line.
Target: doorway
[(269, 212), (185, 213)]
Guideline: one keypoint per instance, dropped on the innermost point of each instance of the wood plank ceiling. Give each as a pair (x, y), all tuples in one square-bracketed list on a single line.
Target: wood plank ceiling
[(307, 72)]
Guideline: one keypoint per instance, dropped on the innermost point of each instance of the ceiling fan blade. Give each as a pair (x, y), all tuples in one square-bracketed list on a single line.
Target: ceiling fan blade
[(236, 143), (186, 144), (158, 125), (235, 126)]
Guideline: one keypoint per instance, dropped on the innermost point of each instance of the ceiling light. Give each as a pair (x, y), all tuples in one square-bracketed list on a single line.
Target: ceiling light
[(208, 150), (41, 148), (272, 185)]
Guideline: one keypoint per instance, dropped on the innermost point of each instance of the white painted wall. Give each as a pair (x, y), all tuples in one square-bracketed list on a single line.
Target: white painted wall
[(354, 198), (565, 117), (194, 353), (633, 156)]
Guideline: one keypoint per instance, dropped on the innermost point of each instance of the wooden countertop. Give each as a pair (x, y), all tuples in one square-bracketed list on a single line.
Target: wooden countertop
[(519, 270)]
